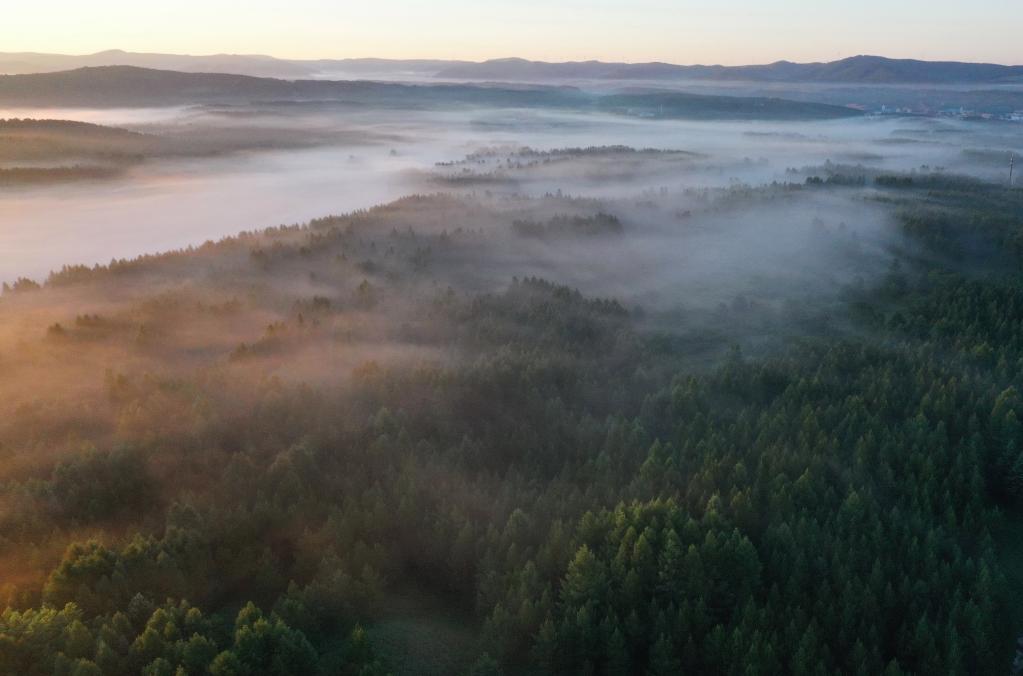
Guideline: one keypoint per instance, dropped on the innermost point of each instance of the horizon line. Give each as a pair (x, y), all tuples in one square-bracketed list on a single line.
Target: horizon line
[(263, 55)]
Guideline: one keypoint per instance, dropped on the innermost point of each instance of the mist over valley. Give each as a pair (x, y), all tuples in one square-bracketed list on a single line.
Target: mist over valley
[(427, 366)]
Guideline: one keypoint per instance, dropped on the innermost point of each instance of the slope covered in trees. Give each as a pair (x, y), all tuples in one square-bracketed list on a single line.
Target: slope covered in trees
[(856, 69), (109, 86), (226, 460), (34, 151)]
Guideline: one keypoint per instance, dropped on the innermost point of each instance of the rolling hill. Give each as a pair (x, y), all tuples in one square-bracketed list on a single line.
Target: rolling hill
[(111, 86), (857, 69), (257, 65), (853, 70)]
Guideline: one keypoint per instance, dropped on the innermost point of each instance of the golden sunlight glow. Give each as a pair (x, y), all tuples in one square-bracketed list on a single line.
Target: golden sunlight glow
[(686, 31)]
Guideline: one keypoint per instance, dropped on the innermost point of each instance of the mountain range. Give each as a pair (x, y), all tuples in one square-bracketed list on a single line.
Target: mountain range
[(853, 70), (15, 63), (857, 69)]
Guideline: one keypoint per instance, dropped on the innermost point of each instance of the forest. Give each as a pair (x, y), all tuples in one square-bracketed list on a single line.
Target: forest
[(44, 151), (489, 433)]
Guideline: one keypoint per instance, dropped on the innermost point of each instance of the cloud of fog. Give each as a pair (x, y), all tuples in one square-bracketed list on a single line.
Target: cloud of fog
[(703, 238), (353, 158)]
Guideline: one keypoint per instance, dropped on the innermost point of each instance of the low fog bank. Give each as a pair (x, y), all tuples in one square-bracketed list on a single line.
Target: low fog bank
[(389, 285), (605, 249), (272, 164)]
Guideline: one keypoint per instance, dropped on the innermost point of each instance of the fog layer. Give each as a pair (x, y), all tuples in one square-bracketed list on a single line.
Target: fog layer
[(311, 160)]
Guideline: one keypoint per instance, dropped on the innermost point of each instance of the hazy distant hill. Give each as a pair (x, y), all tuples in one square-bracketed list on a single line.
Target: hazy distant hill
[(854, 70), (130, 86), (238, 64), (44, 140), (241, 64), (379, 68), (857, 69)]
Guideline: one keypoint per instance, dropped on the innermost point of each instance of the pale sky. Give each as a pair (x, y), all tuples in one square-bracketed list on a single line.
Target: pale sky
[(680, 31)]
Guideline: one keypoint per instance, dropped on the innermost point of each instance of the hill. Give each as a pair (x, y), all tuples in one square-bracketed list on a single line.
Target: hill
[(354, 445), (240, 64), (880, 70), (130, 86), (853, 70), (257, 65), (857, 69)]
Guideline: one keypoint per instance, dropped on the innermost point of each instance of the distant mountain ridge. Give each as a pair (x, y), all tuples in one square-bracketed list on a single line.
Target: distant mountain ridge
[(238, 64), (856, 69), (853, 70), (256, 65)]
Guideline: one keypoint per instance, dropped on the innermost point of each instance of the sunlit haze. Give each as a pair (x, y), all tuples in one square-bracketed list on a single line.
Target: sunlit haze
[(556, 338), (676, 31)]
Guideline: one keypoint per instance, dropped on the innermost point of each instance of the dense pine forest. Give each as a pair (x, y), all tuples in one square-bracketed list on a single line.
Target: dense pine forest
[(372, 440)]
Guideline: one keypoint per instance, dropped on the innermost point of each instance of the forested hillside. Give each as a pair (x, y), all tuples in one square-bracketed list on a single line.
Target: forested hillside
[(239, 458), (111, 86), (855, 69)]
